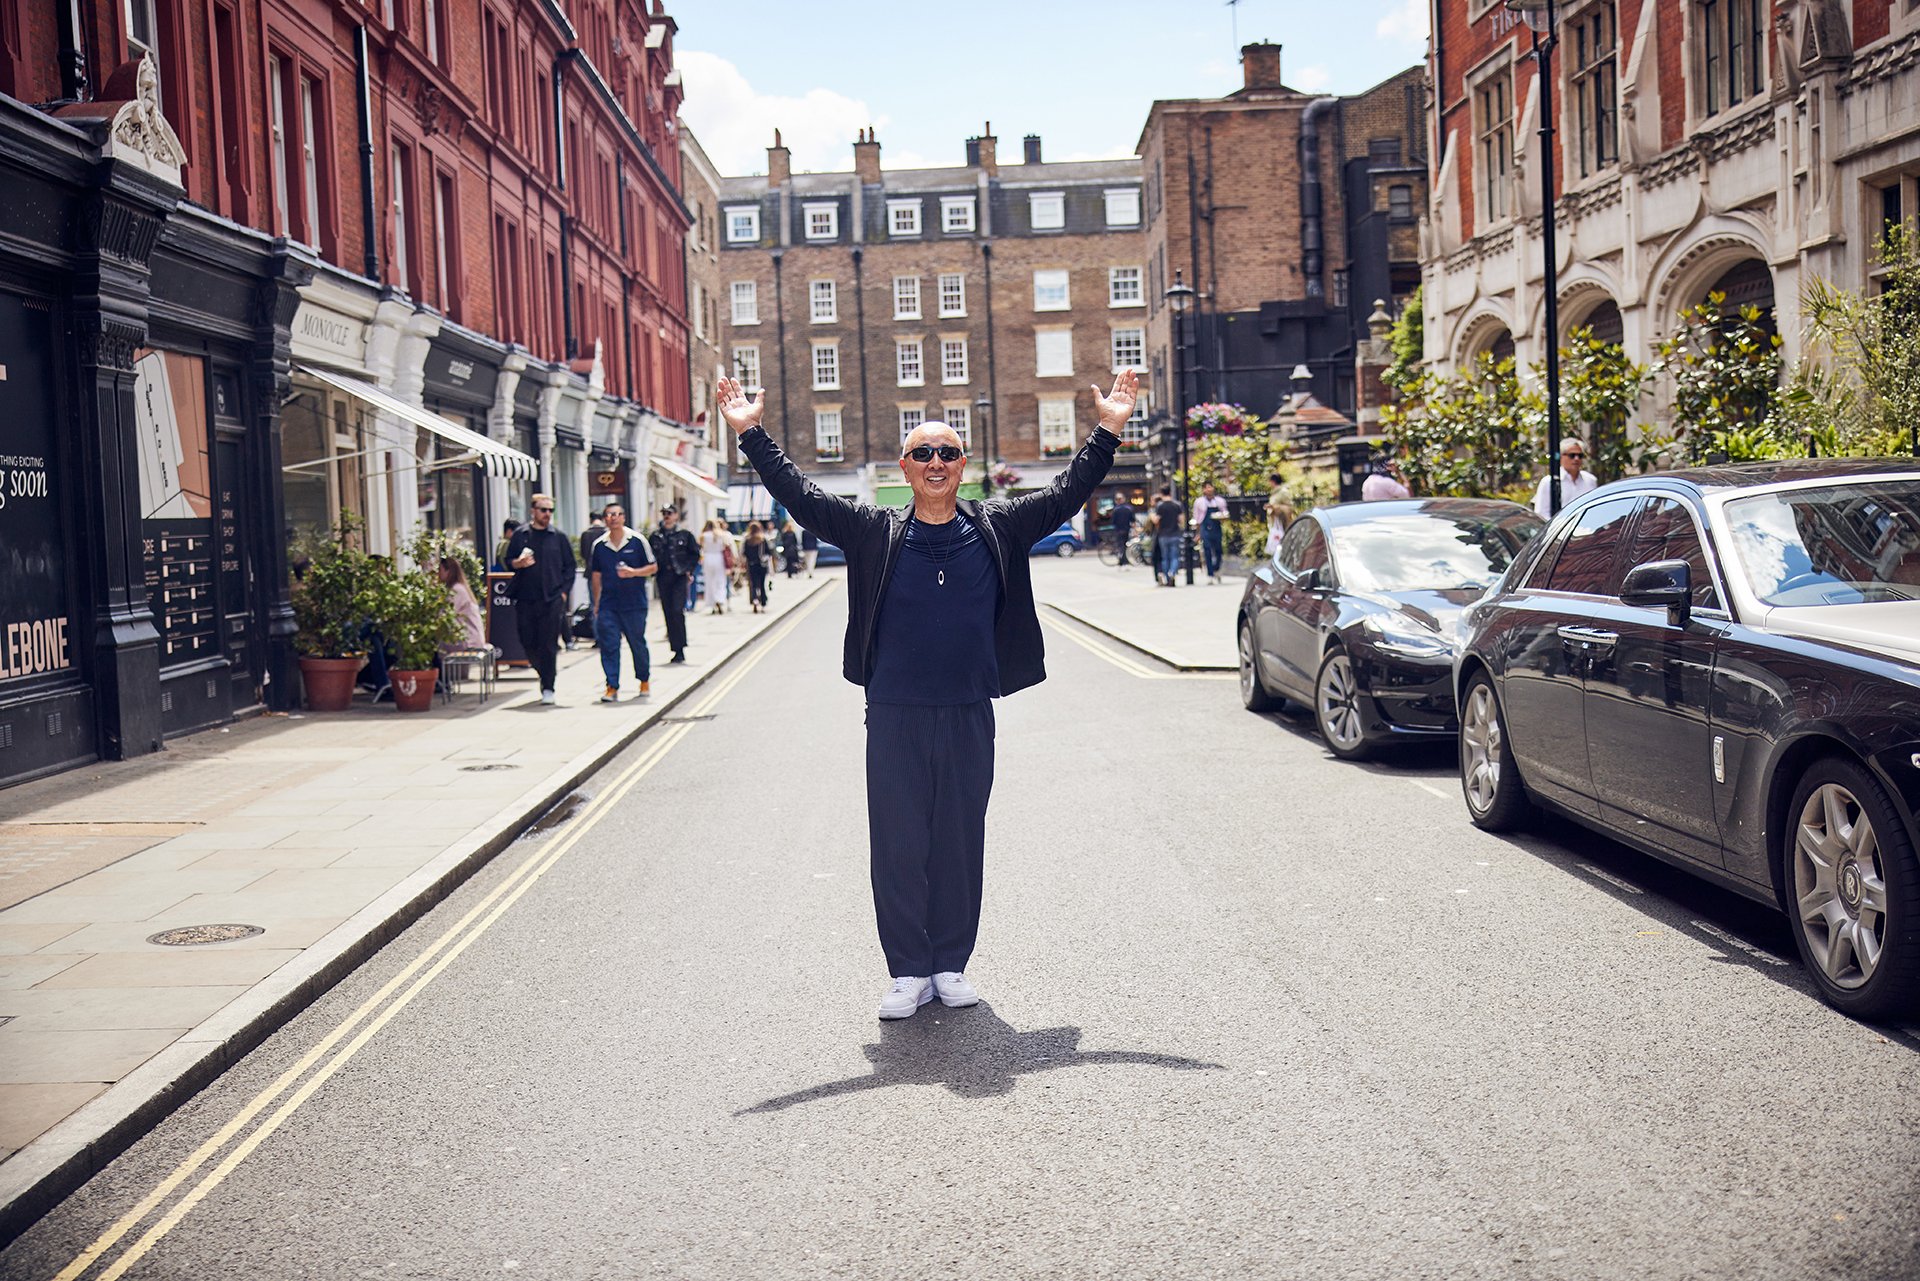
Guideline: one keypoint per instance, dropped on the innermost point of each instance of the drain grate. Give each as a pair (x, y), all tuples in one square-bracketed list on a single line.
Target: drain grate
[(194, 935), (488, 768)]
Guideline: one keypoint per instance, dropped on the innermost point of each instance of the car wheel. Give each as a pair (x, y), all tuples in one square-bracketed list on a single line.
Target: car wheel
[(1064, 550), (1496, 798), (1854, 892), (1253, 691), (1338, 707)]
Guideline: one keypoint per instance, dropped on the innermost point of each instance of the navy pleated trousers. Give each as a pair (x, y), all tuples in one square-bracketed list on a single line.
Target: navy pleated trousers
[(929, 774)]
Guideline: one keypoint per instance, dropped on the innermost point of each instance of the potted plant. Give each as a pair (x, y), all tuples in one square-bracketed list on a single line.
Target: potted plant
[(333, 596), (415, 616)]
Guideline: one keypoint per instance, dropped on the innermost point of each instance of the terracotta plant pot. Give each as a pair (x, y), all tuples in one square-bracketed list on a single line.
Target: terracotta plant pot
[(329, 682), (413, 691)]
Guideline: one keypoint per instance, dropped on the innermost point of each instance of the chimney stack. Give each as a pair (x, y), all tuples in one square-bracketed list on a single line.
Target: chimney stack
[(980, 152), (1031, 145), (779, 162), (866, 156), (1260, 65)]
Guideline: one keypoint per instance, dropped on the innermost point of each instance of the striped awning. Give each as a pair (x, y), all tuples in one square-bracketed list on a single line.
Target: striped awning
[(688, 476), (490, 455)]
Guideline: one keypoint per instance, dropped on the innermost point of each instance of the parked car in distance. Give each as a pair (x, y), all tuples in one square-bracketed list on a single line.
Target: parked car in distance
[(1357, 613), (1061, 542), (1721, 667), (829, 555)]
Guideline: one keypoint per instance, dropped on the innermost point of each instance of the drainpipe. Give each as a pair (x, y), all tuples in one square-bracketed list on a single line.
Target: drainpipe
[(569, 344), (993, 385), (780, 332), (626, 279), (1312, 239), (363, 100), (73, 54), (860, 329)]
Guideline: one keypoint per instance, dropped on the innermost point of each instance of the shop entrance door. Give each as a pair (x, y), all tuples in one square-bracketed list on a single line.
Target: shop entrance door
[(240, 637)]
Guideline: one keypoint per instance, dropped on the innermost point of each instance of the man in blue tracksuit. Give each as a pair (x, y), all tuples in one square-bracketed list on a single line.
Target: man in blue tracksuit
[(940, 622), (617, 570)]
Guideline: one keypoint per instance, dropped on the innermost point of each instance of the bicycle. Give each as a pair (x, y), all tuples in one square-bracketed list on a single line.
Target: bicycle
[(1138, 550)]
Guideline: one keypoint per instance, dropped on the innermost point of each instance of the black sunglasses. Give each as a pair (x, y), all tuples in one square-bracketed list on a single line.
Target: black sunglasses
[(543, 509), (1573, 453), (925, 453)]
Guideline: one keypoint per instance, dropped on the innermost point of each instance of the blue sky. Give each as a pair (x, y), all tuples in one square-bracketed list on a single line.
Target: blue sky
[(928, 76)]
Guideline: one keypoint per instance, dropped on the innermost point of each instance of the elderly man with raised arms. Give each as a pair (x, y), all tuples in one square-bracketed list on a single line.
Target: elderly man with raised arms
[(940, 622)]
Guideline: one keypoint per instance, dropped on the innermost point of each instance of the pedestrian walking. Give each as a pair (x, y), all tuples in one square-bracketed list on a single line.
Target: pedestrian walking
[(507, 528), (1210, 514), (759, 557), (617, 573), (1575, 482), (790, 548), (676, 555), (541, 558), (809, 549), (1279, 512), (1168, 512), (1121, 520), (596, 526), (940, 622), (716, 563)]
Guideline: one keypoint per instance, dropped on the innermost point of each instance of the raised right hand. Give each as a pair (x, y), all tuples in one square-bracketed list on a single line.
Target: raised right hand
[(739, 412)]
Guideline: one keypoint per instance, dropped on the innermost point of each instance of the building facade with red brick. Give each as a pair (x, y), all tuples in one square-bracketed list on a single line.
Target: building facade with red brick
[(1699, 146), (988, 295)]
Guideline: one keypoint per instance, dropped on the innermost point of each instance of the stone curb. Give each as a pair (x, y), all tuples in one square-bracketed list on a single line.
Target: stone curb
[(56, 1164), (1137, 645)]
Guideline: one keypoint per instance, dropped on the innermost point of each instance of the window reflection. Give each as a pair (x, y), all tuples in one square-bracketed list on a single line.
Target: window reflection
[(1834, 545)]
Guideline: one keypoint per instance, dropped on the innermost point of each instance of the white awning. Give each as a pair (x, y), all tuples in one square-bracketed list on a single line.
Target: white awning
[(497, 459), (688, 476), (750, 503)]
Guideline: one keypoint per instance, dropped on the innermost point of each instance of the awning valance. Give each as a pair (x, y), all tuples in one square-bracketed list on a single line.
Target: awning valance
[(497, 459), (688, 476)]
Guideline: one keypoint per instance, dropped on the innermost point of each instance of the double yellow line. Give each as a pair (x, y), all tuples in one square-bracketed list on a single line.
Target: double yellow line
[(298, 1083), (1125, 663)]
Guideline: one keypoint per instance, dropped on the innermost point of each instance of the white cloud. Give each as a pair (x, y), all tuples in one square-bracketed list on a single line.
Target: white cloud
[(1311, 79), (735, 123), (1407, 21)]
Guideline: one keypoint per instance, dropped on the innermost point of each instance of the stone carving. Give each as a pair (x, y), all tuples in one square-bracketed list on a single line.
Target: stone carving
[(105, 344), (140, 133)]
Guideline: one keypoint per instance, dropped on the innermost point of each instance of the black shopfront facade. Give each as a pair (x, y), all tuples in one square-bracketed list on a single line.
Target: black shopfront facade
[(143, 589)]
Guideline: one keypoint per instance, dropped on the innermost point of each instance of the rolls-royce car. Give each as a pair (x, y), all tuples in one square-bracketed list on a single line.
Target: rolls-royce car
[(1721, 667), (1357, 613)]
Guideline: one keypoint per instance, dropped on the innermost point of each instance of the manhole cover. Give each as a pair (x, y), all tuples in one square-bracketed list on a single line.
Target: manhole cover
[(190, 935), (487, 768)]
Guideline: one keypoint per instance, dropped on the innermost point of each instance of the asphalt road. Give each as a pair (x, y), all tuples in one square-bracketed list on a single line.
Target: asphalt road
[(1248, 1012)]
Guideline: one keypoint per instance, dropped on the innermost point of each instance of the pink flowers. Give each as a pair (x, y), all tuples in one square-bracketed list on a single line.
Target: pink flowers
[(1227, 420)]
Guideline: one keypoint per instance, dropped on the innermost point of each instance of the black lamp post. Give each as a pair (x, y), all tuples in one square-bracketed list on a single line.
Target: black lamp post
[(1540, 17), (983, 407), (1180, 298)]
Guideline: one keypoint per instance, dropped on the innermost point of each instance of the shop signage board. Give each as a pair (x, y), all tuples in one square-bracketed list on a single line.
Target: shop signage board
[(177, 529), (36, 634)]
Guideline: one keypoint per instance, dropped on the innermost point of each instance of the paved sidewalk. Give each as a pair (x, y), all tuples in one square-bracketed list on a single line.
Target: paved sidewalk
[(327, 832), (1190, 628)]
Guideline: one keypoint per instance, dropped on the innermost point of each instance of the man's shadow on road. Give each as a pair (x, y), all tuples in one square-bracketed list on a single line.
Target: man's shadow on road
[(974, 1053)]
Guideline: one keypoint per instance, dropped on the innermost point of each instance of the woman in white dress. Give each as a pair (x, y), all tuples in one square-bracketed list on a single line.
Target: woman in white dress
[(715, 542)]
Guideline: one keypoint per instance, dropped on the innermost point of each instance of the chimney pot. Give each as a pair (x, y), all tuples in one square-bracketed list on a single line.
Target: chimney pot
[(779, 162), (1260, 65), (866, 156), (1031, 145)]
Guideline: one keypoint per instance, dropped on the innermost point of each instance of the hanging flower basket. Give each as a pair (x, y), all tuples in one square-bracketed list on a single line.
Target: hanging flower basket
[(1227, 420), (1005, 477)]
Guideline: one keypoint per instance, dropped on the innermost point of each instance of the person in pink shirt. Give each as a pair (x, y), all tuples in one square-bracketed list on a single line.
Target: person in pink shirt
[(1385, 482)]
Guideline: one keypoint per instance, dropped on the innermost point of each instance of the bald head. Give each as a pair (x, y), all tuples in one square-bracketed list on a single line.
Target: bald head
[(935, 482), (935, 434)]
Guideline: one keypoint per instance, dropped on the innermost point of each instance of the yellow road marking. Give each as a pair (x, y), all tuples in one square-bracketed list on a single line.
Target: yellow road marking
[(449, 945), (1126, 664)]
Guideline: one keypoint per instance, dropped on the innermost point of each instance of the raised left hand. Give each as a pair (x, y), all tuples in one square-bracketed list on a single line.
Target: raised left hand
[(1117, 407)]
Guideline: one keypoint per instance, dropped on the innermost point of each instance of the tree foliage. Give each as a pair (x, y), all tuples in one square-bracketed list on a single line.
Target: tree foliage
[(1866, 399), (1725, 371)]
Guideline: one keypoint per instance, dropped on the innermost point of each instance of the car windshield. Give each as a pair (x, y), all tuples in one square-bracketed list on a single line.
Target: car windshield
[(1848, 544), (1412, 551)]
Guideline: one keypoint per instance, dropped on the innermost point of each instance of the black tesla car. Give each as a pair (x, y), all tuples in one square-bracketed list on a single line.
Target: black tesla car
[(1721, 667), (1357, 613)]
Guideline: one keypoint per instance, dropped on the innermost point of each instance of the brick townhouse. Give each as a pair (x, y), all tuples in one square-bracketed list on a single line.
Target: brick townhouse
[(988, 295), (1700, 145), (264, 264), (1289, 214)]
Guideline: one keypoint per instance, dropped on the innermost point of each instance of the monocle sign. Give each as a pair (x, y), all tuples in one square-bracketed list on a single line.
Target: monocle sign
[(321, 333)]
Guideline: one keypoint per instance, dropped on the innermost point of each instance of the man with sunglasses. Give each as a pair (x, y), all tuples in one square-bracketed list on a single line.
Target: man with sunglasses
[(1575, 481), (940, 622), (541, 558)]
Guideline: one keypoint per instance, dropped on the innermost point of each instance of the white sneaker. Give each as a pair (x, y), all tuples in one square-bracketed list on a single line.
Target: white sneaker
[(954, 990), (546, 698), (905, 996)]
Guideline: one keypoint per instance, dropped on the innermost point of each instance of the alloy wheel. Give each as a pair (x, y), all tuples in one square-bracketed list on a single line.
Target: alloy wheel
[(1339, 704), (1839, 886), (1480, 736)]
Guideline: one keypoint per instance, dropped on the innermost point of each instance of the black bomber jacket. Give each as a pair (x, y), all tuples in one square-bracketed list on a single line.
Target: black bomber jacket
[(872, 538)]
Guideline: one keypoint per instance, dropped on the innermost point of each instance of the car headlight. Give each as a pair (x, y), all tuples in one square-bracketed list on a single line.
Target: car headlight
[(1405, 641)]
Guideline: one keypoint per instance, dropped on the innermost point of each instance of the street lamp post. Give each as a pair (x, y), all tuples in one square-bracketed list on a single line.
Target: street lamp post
[(983, 405), (1180, 297), (1540, 18)]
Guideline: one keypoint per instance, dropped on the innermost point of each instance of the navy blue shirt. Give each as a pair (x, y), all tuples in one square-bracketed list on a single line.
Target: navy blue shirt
[(934, 643), (621, 594)]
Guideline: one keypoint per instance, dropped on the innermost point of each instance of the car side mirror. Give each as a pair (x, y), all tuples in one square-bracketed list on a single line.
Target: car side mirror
[(1309, 579), (1666, 584)]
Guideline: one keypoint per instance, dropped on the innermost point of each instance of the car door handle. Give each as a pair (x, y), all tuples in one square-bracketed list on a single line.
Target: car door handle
[(1590, 637)]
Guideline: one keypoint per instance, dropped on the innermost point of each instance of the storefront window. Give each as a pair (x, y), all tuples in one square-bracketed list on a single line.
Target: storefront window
[(176, 503), (36, 632), (446, 488)]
